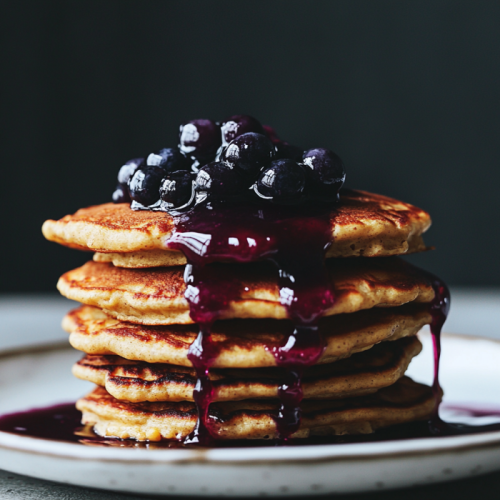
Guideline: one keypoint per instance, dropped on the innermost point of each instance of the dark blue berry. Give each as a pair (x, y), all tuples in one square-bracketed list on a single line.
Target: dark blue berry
[(282, 182), (200, 139), (128, 169), (249, 152), (220, 181), (121, 195), (237, 125), (170, 159), (326, 174), (220, 152), (144, 185), (287, 151), (176, 189)]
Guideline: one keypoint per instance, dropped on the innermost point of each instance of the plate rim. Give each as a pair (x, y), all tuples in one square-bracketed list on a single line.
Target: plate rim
[(245, 456)]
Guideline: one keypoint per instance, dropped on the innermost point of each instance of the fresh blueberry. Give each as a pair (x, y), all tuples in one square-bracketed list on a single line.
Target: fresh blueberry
[(200, 140), (220, 152), (249, 152), (170, 159), (326, 174), (220, 181), (176, 189), (237, 125), (121, 195), (144, 185), (128, 169), (282, 182), (287, 151)]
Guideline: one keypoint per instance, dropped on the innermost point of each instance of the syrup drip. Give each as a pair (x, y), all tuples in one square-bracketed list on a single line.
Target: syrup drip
[(295, 240), (439, 309), (202, 353)]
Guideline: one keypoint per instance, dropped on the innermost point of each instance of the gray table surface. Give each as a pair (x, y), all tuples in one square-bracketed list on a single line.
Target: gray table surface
[(35, 319)]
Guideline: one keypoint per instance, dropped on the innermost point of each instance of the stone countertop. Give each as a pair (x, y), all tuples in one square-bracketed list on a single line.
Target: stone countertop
[(35, 319)]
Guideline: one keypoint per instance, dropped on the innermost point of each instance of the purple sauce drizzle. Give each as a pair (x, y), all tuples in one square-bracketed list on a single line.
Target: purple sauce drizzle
[(295, 240), (439, 309)]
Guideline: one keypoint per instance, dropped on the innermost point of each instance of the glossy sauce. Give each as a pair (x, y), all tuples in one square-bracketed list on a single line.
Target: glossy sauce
[(295, 240)]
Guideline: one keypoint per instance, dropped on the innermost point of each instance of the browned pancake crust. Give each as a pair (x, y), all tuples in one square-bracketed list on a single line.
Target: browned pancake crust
[(360, 374), (240, 343), (404, 401), (363, 224), (156, 296)]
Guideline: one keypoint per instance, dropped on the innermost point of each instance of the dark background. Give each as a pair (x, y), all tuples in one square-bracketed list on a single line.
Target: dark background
[(406, 92)]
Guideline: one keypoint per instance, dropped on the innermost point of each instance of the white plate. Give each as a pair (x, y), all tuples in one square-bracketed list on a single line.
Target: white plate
[(470, 375)]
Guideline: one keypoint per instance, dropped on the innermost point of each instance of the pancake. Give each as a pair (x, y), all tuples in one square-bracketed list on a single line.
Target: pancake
[(361, 374), (404, 401), (156, 296), (240, 343), (144, 259), (363, 224)]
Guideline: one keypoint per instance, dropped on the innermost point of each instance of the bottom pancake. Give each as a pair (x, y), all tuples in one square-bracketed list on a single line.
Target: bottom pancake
[(405, 401), (362, 373)]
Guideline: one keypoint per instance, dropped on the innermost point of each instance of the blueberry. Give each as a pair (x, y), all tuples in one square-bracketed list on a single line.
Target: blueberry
[(237, 125), (200, 139), (287, 151), (282, 182), (176, 189), (144, 185), (249, 152), (326, 174), (219, 153), (170, 159), (128, 169), (121, 195), (220, 181)]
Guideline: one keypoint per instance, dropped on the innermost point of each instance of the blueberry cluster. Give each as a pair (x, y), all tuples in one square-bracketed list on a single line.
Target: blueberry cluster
[(238, 159)]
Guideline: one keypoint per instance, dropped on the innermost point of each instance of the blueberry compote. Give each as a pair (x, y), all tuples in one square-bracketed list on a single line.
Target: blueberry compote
[(295, 240)]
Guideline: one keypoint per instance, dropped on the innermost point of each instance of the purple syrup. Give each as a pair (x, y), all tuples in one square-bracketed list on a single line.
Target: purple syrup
[(439, 308), (295, 240), (202, 353), (53, 422)]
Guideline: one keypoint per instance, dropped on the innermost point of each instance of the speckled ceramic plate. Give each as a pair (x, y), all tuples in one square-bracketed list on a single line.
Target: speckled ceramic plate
[(470, 377)]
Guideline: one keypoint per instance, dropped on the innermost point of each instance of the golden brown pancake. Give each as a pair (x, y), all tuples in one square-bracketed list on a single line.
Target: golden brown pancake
[(156, 296), (240, 343), (363, 224), (141, 260), (358, 375), (404, 401)]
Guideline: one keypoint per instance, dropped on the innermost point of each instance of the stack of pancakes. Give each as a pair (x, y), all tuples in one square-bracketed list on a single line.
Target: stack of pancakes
[(135, 328)]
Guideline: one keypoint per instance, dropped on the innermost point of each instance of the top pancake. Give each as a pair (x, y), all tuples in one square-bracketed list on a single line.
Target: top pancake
[(362, 224)]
